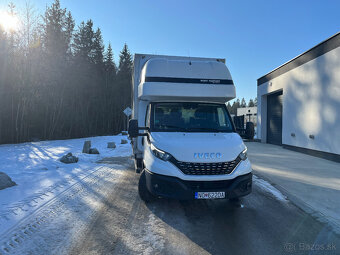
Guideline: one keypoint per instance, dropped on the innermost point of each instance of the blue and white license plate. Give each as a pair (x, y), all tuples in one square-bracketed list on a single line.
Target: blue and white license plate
[(209, 195)]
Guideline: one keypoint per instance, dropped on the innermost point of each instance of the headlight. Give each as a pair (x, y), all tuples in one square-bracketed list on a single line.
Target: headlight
[(160, 154), (243, 154)]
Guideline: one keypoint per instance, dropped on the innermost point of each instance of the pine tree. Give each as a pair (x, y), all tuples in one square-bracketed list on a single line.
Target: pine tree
[(70, 24), (237, 103), (84, 41), (229, 107), (233, 108), (243, 103), (98, 48), (251, 103), (55, 38), (125, 61), (255, 101), (59, 84), (124, 75), (110, 65)]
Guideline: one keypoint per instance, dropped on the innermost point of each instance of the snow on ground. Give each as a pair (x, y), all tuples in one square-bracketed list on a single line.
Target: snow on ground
[(40, 176), (266, 186)]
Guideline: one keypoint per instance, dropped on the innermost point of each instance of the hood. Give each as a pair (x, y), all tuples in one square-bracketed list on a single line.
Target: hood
[(199, 147)]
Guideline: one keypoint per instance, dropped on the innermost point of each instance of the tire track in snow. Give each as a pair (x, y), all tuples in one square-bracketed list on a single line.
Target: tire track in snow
[(48, 227)]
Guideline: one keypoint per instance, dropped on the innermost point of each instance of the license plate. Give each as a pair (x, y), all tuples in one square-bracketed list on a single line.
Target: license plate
[(209, 195)]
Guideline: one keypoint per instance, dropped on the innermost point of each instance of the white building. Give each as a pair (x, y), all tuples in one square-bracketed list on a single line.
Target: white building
[(299, 102), (249, 113)]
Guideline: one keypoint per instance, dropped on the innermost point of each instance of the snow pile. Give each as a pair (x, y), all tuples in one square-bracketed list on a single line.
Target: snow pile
[(40, 176), (266, 186)]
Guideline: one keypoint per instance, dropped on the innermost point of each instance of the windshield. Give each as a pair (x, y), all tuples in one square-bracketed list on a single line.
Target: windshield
[(190, 117)]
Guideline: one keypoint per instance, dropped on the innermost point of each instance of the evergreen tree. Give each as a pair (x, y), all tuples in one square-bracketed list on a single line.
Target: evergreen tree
[(98, 48), (251, 103), (110, 65), (243, 103), (125, 61), (57, 83), (70, 24), (229, 107), (237, 103), (124, 75), (255, 101), (84, 41), (55, 38), (232, 111)]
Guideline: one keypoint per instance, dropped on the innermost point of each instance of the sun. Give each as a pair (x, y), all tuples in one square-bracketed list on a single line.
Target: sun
[(8, 22)]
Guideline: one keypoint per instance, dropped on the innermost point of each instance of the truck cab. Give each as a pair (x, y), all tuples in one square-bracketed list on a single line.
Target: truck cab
[(185, 144)]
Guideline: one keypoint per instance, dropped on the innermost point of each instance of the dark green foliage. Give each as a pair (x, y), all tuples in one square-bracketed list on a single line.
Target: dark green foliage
[(229, 107), (59, 83), (251, 103), (243, 103), (124, 76), (232, 108)]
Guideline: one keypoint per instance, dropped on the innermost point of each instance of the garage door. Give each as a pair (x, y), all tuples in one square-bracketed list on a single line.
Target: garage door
[(274, 118)]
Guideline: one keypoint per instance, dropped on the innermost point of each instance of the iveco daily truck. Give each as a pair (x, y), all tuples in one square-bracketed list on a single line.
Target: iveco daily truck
[(184, 142)]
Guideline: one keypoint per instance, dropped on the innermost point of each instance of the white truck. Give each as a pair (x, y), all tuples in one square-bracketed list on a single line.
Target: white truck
[(185, 144)]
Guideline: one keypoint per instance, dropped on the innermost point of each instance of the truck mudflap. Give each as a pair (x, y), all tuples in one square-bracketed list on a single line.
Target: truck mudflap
[(175, 188)]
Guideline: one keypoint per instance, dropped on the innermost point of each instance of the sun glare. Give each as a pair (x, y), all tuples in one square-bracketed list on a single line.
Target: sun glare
[(8, 22)]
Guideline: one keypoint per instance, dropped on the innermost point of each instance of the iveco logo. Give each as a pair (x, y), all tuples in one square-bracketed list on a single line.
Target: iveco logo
[(207, 155)]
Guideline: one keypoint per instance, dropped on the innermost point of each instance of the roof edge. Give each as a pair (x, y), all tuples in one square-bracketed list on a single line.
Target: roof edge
[(325, 46), (223, 60)]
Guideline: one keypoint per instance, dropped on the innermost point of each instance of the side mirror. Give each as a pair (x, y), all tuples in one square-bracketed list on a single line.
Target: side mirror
[(133, 128)]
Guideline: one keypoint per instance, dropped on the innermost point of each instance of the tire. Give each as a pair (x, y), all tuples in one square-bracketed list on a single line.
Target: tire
[(143, 191)]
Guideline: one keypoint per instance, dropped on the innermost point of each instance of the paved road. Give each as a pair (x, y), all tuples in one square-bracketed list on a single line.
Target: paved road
[(259, 224)]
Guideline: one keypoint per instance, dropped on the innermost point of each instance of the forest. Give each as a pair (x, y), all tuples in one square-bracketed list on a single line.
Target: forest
[(237, 103), (58, 80)]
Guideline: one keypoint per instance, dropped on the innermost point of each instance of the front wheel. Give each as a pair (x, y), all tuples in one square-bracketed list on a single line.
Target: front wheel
[(143, 191)]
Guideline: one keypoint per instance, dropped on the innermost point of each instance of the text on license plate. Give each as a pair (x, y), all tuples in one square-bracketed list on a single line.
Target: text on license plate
[(209, 195)]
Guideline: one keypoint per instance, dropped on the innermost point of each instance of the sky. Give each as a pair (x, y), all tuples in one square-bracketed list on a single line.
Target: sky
[(253, 36)]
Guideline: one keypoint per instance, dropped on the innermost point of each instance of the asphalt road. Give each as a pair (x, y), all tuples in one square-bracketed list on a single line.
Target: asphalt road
[(258, 224)]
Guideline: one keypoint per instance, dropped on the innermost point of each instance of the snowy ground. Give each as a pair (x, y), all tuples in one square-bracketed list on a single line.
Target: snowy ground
[(40, 176), (55, 206)]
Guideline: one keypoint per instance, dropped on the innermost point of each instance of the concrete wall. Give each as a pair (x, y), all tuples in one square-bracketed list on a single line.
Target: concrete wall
[(311, 104)]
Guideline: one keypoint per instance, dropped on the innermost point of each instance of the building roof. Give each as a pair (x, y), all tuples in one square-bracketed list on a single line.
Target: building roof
[(318, 50)]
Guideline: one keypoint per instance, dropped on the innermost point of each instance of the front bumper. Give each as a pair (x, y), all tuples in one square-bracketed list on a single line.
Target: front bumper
[(173, 187)]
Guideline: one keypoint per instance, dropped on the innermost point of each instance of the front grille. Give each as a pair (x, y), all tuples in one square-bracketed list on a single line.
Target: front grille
[(215, 168)]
